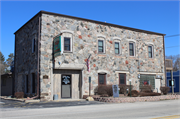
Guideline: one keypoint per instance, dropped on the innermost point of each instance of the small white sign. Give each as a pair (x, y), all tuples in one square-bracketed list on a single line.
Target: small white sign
[(115, 91), (129, 79)]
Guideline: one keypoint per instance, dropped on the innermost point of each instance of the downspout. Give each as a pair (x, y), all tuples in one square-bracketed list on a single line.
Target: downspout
[(38, 84), (164, 62)]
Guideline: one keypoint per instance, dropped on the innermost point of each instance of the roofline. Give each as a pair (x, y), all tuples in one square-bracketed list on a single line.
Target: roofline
[(99, 22)]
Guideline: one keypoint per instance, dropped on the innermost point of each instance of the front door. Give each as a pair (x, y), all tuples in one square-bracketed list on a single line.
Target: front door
[(66, 86)]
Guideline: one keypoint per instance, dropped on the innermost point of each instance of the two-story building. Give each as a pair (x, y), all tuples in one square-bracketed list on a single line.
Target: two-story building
[(51, 53)]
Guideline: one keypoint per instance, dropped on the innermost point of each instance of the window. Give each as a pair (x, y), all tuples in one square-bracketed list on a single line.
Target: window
[(170, 82), (26, 90), (100, 46), (147, 80), (101, 79), (117, 47), (33, 83), (122, 79), (150, 53), (67, 44), (131, 49), (33, 45)]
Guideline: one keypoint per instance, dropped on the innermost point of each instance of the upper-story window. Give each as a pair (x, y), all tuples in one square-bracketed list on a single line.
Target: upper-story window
[(131, 49), (33, 45), (67, 41), (100, 46), (67, 44), (117, 47), (150, 51)]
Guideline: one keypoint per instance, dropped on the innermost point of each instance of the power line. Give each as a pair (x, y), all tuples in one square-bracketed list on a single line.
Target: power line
[(172, 35), (172, 46)]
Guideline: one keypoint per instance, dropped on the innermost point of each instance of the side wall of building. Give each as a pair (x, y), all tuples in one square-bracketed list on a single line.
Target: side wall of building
[(25, 58), (85, 37)]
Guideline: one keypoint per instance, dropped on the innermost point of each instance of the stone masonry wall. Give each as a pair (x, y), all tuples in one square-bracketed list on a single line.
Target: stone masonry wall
[(85, 42), (26, 61)]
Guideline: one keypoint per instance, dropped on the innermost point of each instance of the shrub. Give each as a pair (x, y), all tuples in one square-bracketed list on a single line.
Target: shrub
[(105, 89), (123, 89), (134, 93), (19, 94), (146, 88), (141, 94), (164, 90)]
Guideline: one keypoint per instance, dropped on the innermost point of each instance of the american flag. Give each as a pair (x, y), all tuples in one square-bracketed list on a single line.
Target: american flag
[(88, 64)]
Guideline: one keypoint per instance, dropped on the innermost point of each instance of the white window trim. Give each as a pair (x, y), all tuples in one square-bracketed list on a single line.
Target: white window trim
[(104, 46), (134, 46), (152, 51), (117, 41), (67, 35)]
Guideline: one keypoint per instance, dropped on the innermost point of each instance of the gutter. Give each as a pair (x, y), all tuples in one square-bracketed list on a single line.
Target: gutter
[(164, 63)]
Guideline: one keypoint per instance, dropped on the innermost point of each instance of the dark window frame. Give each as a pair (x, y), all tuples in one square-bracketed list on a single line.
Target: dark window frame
[(133, 49), (33, 83), (104, 79), (69, 44), (27, 84), (117, 48), (101, 46), (124, 78), (150, 51)]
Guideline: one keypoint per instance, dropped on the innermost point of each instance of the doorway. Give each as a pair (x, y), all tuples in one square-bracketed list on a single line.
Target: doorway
[(66, 86)]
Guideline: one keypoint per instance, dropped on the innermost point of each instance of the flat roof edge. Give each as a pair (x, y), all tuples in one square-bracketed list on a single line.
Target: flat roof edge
[(99, 22)]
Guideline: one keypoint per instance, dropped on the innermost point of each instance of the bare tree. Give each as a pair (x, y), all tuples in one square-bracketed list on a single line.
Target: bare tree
[(176, 61)]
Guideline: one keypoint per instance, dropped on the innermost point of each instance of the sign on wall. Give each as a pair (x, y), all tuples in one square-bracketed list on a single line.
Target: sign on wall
[(115, 90), (57, 46)]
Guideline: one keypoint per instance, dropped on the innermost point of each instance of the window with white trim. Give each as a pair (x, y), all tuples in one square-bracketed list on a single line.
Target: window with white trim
[(117, 47), (67, 42), (132, 49), (100, 46)]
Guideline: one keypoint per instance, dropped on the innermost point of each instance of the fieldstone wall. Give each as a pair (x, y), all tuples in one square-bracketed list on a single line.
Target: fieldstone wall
[(26, 61), (85, 41)]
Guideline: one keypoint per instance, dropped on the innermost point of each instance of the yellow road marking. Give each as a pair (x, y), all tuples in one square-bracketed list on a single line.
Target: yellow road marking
[(168, 117)]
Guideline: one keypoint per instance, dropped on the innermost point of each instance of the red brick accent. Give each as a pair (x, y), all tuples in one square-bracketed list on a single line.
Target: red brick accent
[(126, 62), (94, 65), (80, 36), (110, 42), (89, 36), (122, 47)]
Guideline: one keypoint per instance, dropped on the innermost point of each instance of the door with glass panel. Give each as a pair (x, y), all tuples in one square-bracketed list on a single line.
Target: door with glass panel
[(66, 86)]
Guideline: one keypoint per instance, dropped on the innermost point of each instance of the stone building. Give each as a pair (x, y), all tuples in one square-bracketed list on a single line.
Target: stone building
[(51, 52)]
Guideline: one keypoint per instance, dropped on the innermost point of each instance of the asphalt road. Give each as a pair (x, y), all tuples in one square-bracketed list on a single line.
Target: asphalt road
[(168, 109)]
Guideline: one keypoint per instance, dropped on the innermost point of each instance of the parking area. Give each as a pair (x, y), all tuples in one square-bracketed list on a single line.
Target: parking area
[(9, 104)]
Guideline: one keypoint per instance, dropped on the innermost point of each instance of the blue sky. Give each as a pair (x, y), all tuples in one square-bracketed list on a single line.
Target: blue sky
[(156, 16)]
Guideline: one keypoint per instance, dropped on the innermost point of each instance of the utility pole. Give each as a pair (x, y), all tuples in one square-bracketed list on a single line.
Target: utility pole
[(172, 82)]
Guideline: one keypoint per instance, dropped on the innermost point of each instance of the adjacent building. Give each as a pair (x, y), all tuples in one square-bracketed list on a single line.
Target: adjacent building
[(56, 54)]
